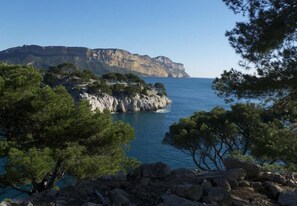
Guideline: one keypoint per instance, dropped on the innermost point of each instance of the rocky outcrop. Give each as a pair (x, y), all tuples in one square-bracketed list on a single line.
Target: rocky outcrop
[(100, 61), (137, 103), (156, 184)]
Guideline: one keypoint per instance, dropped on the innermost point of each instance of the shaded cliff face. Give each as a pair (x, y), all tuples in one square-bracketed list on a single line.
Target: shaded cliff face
[(99, 61)]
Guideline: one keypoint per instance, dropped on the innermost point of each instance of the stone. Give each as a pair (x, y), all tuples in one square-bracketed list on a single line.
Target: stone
[(183, 172), (218, 195), (256, 185), (233, 183), (291, 183), (145, 181), (91, 204), (252, 170), (52, 193), (288, 198), (275, 177), (222, 182), (206, 186), (237, 173), (237, 201), (272, 190), (5, 203), (106, 178), (279, 179), (120, 197), (27, 203), (120, 176), (174, 200), (155, 170), (244, 183), (102, 199), (189, 191)]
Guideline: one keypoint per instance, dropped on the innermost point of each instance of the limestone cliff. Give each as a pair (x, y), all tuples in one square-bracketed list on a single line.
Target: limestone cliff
[(137, 103), (99, 61)]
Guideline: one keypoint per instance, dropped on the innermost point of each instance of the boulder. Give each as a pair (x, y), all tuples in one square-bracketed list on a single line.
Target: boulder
[(274, 177), (237, 201), (252, 170), (218, 195), (222, 182), (155, 170), (174, 200), (189, 191), (244, 183), (120, 176), (5, 203), (291, 183), (91, 204), (256, 185), (120, 197), (288, 198), (272, 190), (206, 186), (237, 173)]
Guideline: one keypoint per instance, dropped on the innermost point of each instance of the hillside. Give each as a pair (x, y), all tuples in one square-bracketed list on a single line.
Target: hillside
[(99, 61)]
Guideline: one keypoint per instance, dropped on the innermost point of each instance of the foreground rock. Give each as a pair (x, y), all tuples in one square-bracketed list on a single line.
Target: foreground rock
[(156, 184)]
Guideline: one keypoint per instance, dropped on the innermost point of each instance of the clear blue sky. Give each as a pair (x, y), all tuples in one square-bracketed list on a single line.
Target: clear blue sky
[(191, 32)]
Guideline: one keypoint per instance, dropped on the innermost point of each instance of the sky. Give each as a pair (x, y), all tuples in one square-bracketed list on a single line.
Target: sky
[(191, 32)]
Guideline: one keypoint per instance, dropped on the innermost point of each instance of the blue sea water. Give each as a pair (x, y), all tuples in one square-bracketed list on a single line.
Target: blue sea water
[(188, 95)]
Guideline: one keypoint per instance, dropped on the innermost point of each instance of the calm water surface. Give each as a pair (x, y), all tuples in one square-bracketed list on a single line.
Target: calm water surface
[(188, 95)]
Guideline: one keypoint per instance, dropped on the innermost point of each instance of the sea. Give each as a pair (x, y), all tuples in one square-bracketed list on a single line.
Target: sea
[(188, 95)]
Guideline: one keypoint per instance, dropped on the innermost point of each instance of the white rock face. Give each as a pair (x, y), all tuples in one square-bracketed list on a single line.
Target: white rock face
[(127, 104)]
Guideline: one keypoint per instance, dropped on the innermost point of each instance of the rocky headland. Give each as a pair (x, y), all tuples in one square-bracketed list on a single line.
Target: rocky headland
[(156, 184), (99, 61), (114, 92)]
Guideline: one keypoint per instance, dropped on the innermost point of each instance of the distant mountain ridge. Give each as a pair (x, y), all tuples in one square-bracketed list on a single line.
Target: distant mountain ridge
[(99, 61)]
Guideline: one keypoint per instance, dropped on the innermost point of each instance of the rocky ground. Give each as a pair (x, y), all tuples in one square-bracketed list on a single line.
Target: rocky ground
[(156, 184)]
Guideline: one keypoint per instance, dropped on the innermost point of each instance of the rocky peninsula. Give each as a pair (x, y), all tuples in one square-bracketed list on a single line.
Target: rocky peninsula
[(113, 92), (241, 184)]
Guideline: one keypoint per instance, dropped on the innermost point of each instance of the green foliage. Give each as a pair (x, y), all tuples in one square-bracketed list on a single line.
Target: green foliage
[(129, 78), (132, 90), (134, 78), (266, 42), (99, 87), (160, 88), (48, 136), (117, 89), (208, 137), (63, 69)]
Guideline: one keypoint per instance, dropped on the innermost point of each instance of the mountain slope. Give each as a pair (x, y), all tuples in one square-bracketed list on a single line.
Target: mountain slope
[(99, 61)]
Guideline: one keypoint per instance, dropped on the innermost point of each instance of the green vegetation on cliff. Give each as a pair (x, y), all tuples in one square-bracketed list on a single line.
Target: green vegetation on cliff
[(115, 84), (46, 135)]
